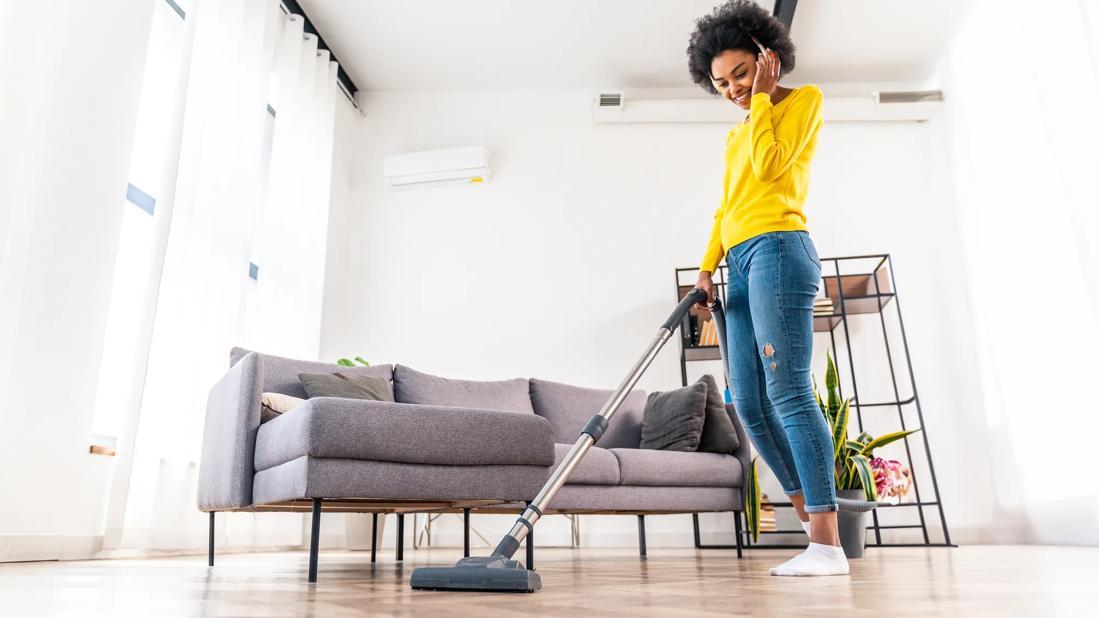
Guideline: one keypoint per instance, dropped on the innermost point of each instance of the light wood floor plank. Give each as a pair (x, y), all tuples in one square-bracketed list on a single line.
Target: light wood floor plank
[(970, 581)]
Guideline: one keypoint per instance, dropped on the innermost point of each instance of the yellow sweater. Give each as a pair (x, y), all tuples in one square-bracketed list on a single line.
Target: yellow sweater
[(766, 171)]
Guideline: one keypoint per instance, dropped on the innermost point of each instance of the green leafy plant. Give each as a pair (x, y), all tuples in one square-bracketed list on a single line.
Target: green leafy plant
[(752, 504), (358, 360), (851, 457)]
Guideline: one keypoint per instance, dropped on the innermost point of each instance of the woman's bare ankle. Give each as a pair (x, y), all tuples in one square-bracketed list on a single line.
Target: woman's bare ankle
[(825, 528), (799, 505)]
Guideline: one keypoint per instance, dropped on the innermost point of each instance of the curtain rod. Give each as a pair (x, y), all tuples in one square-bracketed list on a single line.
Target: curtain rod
[(346, 85)]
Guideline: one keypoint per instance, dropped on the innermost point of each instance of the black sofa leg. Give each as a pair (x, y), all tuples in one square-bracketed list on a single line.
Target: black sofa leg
[(400, 537), (210, 551), (698, 537), (465, 533), (315, 540), (641, 534), (374, 540), (736, 518)]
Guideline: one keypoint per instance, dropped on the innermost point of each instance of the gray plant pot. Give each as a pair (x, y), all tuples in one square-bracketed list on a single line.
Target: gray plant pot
[(852, 525)]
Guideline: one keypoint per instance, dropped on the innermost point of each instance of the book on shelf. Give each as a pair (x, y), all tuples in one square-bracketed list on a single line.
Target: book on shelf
[(766, 515), (708, 334)]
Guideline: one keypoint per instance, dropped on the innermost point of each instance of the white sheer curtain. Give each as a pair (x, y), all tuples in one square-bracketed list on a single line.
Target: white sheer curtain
[(70, 77), (245, 192), (285, 317), (1025, 161)]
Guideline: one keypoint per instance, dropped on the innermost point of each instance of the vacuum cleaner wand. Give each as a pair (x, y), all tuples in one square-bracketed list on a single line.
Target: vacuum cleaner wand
[(498, 572)]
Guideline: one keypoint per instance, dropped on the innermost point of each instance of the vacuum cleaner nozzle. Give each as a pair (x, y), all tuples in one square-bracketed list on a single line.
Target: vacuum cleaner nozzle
[(479, 573)]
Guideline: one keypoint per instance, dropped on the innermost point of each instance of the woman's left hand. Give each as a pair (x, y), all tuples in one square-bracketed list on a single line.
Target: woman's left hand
[(768, 68)]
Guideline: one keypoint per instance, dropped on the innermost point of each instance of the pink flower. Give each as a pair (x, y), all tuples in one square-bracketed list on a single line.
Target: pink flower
[(892, 479)]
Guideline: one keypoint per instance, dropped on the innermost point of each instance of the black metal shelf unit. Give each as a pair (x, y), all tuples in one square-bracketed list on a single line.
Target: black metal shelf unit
[(860, 288)]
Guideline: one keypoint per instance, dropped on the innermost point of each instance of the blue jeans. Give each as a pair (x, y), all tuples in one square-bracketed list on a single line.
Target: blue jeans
[(773, 279)]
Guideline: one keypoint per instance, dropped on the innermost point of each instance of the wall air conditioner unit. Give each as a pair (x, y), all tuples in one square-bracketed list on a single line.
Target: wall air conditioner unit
[(432, 168)]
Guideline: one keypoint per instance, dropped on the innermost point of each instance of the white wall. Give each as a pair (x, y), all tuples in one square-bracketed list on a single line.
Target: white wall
[(562, 266)]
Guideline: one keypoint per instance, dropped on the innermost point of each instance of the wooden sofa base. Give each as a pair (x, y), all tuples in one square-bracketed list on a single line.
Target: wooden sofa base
[(401, 507)]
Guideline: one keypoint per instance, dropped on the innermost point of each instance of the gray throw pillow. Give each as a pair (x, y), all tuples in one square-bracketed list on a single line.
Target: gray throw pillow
[(718, 434), (673, 419), (337, 384)]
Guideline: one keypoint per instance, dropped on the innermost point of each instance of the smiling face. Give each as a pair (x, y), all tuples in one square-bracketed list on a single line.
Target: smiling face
[(732, 73)]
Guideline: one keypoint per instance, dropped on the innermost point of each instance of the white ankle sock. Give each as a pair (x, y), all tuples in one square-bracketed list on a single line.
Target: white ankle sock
[(805, 527), (817, 559)]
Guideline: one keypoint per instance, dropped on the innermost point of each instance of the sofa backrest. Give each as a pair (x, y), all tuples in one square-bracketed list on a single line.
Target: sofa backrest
[(411, 386), (280, 374), (568, 409)]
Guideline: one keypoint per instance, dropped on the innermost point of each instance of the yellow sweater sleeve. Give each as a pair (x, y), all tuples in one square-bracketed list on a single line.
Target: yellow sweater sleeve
[(714, 251), (775, 148)]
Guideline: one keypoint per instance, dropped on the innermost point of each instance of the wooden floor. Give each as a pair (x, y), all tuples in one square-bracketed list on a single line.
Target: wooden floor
[(967, 581)]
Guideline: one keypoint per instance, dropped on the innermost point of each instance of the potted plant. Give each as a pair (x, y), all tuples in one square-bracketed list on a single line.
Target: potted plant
[(854, 474)]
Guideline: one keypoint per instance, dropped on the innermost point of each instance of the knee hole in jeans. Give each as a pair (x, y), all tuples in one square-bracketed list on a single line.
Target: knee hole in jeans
[(769, 352)]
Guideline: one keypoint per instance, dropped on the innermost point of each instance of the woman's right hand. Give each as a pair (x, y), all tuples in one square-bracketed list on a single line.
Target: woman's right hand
[(706, 284)]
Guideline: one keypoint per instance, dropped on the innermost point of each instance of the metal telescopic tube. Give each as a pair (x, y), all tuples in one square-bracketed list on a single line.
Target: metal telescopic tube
[(510, 543), (519, 530)]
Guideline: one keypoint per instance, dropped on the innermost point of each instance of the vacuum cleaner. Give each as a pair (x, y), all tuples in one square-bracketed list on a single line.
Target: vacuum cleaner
[(498, 572)]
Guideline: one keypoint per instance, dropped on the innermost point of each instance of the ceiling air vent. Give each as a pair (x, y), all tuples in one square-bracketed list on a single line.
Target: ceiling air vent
[(611, 100), (910, 96)]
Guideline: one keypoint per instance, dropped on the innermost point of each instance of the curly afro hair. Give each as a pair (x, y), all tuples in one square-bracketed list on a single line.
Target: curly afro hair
[(732, 26)]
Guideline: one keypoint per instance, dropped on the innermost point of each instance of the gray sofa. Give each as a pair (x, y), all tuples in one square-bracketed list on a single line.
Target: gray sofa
[(443, 446)]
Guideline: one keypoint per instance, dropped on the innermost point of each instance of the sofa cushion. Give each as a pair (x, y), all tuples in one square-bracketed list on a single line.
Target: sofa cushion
[(323, 477), (648, 467), (411, 386), (280, 374), (569, 407), (386, 431), (673, 420), (346, 385), (598, 467), (718, 433)]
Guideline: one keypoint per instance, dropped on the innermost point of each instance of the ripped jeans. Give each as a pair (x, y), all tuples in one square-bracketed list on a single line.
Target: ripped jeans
[(772, 280)]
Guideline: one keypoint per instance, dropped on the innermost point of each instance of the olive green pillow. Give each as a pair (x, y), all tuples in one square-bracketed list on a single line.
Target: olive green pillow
[(348, 386)]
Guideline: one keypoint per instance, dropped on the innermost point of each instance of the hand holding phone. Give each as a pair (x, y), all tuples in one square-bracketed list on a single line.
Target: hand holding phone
[(768, 68)]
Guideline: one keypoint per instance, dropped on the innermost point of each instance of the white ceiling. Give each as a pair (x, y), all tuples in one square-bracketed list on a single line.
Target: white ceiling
[(603, 44), (872, 40)]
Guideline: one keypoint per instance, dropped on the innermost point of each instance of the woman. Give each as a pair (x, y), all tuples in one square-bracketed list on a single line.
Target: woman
[(739, 52)]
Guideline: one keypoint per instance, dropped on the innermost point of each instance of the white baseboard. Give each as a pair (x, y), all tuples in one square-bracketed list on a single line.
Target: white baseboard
[(33, 547)]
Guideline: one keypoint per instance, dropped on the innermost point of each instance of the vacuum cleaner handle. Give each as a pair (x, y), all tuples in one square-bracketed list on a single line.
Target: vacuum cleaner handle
[(594, 429), (694, 297)]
